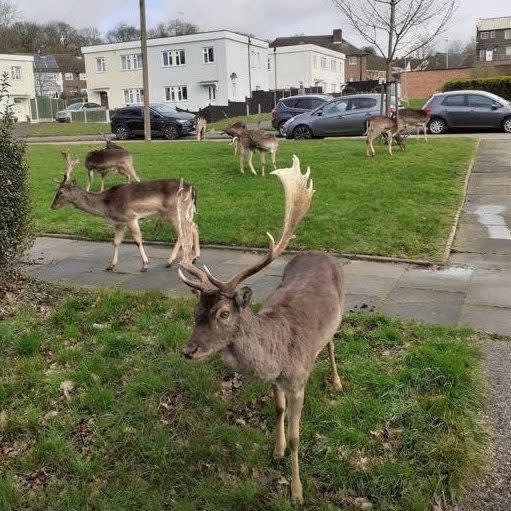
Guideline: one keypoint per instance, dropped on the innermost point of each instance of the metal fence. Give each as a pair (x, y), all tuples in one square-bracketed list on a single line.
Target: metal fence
[(45, 109)]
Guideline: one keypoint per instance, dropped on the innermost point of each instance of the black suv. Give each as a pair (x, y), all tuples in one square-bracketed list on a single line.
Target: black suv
[(294, 105), (128, 122)]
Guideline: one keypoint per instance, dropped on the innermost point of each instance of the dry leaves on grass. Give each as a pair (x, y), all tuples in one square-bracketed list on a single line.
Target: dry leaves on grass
[(390, 437), (66, 388)]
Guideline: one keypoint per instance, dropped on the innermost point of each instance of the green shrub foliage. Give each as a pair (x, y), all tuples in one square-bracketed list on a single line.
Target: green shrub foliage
[(14, 195), (500, 85)]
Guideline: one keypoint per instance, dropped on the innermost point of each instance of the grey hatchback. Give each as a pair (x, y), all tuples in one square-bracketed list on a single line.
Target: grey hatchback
[(468, 109), (344, 116)]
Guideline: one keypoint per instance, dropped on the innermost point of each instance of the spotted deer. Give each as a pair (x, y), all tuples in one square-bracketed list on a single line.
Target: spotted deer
[(280, 343), (250, 141), (111, 158), (382, 125), (124, 205), (414, 118)]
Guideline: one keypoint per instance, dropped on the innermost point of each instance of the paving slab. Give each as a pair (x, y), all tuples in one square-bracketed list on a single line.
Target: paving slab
[(494, 320)]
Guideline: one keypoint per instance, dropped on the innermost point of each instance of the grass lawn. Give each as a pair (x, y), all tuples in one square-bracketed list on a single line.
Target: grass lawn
[(417, 103), (55, 129), (247, 119), (401, 206), (100, 411)]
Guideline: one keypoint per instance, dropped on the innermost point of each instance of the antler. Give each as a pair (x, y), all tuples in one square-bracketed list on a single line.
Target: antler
[(70, 163), (185, 212), (298, 193)]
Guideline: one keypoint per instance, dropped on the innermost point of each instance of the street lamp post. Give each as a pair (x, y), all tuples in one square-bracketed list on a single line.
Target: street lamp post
[(447, 54), (275, 71), (145, 72)]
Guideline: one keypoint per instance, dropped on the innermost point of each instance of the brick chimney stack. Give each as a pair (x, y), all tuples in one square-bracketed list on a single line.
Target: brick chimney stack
[(337, 35)]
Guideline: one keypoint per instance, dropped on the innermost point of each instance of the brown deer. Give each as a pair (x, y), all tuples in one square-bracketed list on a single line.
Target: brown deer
[(280, 343), (200, 127), (418, 119), (234, 130), (258, 140), (124, 205), (112, 157), (382, 125)]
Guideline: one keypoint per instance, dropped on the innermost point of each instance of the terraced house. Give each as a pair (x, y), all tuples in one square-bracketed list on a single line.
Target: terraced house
[(189, 71), (493, 46)]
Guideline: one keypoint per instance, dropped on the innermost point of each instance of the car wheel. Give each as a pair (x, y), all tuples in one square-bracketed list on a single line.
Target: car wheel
[(302, 132), (280, 128), (122, 132), (170, 132), (506, 124), (437, 126)]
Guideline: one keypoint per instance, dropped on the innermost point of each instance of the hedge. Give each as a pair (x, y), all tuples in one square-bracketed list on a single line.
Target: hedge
[(500, 85), (15, 228)]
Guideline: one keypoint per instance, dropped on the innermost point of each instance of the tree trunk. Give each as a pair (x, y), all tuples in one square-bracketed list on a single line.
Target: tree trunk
[(390, 55)]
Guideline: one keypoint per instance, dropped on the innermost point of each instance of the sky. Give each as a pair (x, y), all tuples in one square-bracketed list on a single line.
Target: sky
[(263, 18)]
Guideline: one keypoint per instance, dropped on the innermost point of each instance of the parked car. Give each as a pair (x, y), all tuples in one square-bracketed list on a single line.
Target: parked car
[(66, 114), (343, 116), (294, 105), (128, 122), (467, 109)]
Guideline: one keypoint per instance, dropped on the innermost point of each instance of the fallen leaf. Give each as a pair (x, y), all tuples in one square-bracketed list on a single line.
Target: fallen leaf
[(66, 387)]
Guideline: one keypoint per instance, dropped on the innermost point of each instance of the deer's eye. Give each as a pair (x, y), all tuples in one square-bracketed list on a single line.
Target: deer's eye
[(225, 314)]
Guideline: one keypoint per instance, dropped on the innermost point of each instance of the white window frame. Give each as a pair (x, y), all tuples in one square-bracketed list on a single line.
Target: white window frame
[(507, 33), (333, 66), (175, 58), (352, 61), (481, 55), (175, 93), (211, 92), (83, 76), (323, 62), (508, 51), (16, 72), (133, 96), (131, 62), (492, 34), (100, 65), (484, 35), (68, 76), (208, 55)]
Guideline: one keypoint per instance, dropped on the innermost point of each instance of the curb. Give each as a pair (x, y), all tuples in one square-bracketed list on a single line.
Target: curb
[(259, 250)]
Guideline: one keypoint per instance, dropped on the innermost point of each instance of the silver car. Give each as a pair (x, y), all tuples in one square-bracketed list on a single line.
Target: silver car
[(347, 115), (67, 114)]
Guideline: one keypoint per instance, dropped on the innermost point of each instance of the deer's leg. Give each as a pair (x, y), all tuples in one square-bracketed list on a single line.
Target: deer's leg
[(294, 408), (196, 245), (250, 164), (118, 235), (242, 158), (273, 156), (280, 407), (263, 161), (370, 146), (177, 245), (132, 173), (425, 128), (90, 178), (389, 139), (137, 238), (102, 181), (336, 381)]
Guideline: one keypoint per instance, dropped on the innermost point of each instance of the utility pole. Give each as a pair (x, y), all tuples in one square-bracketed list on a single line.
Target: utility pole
[(447, 54), (275, 71), (249, 70), (145, 72)]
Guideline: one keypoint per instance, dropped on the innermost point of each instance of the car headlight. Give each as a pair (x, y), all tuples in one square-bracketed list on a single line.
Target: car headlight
[(289, 121), (183, 121)]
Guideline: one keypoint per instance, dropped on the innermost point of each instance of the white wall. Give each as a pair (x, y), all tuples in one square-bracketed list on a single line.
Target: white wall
[(22, 90)]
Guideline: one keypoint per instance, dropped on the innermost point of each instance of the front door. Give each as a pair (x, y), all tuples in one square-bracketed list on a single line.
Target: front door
[(103, 99)]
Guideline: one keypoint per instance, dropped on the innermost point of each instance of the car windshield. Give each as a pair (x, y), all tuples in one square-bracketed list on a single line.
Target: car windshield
[(163, 109), (75, 106)]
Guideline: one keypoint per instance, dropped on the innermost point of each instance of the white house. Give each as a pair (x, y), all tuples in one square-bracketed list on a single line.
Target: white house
[(20, 73), (190, 71), (305, 65)]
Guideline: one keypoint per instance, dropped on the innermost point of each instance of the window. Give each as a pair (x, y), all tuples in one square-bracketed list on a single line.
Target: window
[(100, 65), (304, 103), (173, 58), (455, 100), (336, 107), (208, 54), (133, 96), (129, 62), (16, 72), (258, 60), (476, 101), (481, 55), (352, 61), (68, 76), (323, 62), (483, 35), (333, 66), (176, 93), (363, 103), (269, 64), (83, 76), (508, 51), (211, 92), (290, 103), (492, 34), (507, 34), (315, 61)]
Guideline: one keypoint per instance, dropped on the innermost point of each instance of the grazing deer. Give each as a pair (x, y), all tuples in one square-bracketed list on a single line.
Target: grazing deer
[(280, 343), (418, 119), (256, 140), (112, 157), (200, 127), (234, 130), (379, 125), (124, 205)]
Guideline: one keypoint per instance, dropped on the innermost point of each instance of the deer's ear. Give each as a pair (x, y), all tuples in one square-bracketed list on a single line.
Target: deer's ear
[(196, 292), (243, 296)]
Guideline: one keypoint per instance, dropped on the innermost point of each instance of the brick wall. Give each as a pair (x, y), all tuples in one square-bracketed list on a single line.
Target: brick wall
[(422, 84), (486, 69)]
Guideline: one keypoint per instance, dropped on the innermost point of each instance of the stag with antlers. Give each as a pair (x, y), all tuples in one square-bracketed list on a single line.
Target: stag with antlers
[(124, 205), (111, 158), (280, 343)]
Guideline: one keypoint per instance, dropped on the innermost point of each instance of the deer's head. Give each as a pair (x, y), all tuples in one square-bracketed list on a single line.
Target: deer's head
[(219, 313), (66, 187)]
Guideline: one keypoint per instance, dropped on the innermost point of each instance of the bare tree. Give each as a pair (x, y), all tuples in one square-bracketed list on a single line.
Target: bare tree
[(123, 33), (8, 14), (397, 27), (90, 36), (173, 27)]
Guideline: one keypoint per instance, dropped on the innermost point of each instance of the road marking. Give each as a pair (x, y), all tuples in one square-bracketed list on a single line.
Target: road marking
[(491, 217)]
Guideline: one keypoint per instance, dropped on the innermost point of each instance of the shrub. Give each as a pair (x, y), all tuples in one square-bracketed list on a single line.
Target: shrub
[(500, 85), (15, 232)]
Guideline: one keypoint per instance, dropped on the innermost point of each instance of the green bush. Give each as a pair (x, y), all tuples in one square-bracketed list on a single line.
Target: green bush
[(14, 195), (500, 85)]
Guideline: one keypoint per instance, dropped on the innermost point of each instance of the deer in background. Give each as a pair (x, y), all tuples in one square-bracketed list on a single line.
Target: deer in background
[(256, 140), (124, 205), (200, 127), (280, 343), (382, 125), (412, 117), (112, 157)]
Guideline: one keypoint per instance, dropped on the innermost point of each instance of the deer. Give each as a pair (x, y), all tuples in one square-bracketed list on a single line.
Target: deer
[(125, 204), (112, 157), (200, 127), (233, 130), (256, 140), (281, 342), (379, 125), (418, 119)]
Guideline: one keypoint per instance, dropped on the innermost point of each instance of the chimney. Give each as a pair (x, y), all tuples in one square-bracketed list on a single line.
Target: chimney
[(337, 35)]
